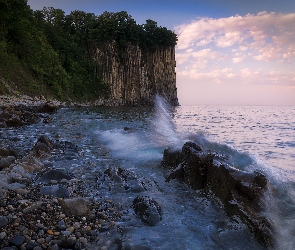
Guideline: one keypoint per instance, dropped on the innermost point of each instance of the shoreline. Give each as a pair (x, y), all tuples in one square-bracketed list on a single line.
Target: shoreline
[(55, 213)]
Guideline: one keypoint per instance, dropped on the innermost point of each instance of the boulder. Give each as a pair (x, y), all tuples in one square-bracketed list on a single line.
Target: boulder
[(148, 210), (43, 145), (76, 206), (53, 175), (241, 193)]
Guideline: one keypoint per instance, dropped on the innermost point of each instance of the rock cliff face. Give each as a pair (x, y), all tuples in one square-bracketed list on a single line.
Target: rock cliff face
[(134, 76)]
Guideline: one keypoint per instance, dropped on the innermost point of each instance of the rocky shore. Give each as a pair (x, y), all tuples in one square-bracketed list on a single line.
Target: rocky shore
[(42, 207), (43, 213)]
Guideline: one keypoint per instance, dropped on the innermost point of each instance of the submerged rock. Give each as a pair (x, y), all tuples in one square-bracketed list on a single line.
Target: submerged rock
[(240, 193), (148, 210)]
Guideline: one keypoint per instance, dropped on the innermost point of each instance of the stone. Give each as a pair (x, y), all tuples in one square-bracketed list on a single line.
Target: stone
[(4, 152), (2, 235), (53, 174), (10, 159), (32, 245), (3, 221), (40, 147), (148, 210), (4, 163), (76, 206), (17, 240), (241, 193), (14, 121)]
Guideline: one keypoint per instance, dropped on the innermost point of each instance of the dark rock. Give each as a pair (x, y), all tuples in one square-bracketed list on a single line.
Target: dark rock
[(40, 147), (32, 245), (241, 193), (3, 221), (4, 163), (76, 206), (12, 152), (44, 139), (10, 159), (47, 119), (14, 121), (53, 175), (17, 240), (4, 152), (69, 242), (43, 144), (48, 107), (148, 210)]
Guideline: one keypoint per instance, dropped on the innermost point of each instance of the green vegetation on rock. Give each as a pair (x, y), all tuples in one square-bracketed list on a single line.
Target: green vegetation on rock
[(47, 52)]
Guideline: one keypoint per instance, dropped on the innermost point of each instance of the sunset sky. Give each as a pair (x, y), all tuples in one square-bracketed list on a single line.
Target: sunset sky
[(229, 52)]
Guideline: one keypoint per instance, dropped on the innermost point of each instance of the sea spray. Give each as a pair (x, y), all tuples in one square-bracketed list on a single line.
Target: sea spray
[(164, 129)]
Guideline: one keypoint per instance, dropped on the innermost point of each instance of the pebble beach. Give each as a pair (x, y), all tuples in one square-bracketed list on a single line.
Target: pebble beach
[(45, 208)]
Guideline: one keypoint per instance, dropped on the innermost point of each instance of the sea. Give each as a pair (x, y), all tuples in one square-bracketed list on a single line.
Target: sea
[(254, 138)]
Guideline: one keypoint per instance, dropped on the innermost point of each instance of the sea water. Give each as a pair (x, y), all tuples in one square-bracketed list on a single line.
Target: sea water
[(253, 138)]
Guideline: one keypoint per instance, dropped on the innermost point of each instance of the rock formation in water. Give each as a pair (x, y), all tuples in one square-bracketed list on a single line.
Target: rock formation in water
[(135, 77), (240, 193)]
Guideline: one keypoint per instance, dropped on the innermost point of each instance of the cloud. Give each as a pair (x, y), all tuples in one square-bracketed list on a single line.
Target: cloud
[(250, 32), (250, 49)]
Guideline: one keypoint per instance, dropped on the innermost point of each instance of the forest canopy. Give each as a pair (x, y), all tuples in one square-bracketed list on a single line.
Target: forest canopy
[(49, 49)]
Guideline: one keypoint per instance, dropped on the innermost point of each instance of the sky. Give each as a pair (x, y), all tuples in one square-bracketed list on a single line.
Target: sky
[(229, 52)]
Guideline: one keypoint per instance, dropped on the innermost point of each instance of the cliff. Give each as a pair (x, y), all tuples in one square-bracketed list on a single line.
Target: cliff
[(84, 58), (134, 77)]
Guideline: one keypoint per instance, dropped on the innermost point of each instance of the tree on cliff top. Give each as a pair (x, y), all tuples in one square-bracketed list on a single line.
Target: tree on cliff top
[(57, 49)]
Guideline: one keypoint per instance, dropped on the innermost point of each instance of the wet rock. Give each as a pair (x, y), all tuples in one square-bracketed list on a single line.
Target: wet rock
[(43, 144), (148, 210), (241, 193), (40, 147), (53, 175), (76, 206)]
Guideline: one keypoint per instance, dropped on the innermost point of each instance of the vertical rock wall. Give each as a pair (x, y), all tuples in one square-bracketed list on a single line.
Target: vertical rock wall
[(134, 77)]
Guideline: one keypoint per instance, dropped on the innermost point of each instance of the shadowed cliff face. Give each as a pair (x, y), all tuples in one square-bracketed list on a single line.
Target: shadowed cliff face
[(134, 77)]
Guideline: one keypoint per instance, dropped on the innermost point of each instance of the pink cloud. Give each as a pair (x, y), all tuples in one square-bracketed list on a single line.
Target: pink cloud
[(249, 32)]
